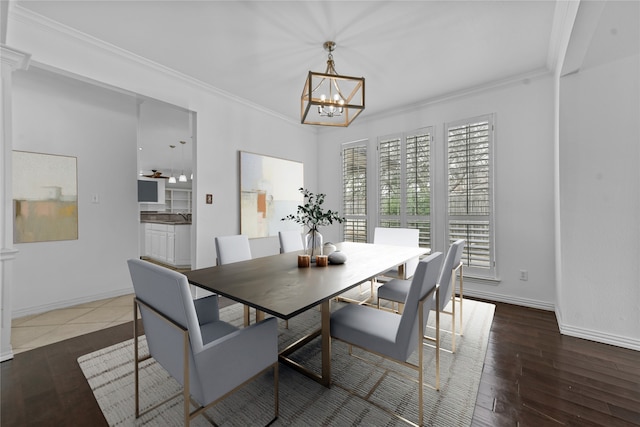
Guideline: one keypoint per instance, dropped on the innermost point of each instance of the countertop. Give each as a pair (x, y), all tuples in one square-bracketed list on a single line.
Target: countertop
[(155, 221)]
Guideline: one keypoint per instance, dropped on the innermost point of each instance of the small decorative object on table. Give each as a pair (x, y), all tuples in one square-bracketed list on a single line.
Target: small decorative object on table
[(328, 248), (312, 215), (303, 261), (337, 257)]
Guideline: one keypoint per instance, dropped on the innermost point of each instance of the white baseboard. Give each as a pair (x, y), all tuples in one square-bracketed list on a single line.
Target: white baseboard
[(525, 302), (69, 303), (601, 337), (6, 355), (587, 334)]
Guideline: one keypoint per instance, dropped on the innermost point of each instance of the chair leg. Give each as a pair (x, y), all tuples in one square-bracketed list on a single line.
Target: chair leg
[(276, 388), (461, 297), (135, 357), (420, 357), (453, 312), (437, 344), (247, 316), (186, 392)]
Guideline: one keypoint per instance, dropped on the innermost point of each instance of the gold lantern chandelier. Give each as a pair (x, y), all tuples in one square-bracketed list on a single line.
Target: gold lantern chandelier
[(329, 99)]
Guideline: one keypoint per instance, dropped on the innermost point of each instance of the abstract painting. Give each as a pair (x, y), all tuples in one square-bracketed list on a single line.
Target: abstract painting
[(45, 197), (268, 192)]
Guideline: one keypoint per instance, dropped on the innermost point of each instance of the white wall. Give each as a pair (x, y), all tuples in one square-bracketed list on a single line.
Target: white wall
[(225, 125), (524, 178), (56, 115), (600, 203)]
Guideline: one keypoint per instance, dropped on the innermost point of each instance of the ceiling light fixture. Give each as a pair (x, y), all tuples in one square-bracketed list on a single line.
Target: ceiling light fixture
[(183, 177), (140, 161), (329, 99), (172, 179)]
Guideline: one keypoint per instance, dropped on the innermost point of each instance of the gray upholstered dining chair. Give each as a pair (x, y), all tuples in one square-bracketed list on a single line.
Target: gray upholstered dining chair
[(230, 249), (396, 336), (399, 237), (290, 241), (396, 290), (395, 237), (208, 357)]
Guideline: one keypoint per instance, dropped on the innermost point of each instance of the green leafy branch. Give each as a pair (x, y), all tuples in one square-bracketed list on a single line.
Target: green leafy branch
[(311, 212)]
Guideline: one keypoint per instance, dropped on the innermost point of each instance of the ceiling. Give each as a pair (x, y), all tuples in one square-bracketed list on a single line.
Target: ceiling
[(261, 51)]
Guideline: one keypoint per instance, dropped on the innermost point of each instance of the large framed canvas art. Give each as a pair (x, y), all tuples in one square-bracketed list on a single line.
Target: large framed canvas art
[(269, 191), (45, 197)]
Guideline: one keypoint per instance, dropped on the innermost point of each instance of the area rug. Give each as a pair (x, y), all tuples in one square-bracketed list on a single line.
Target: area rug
[(303, 402)]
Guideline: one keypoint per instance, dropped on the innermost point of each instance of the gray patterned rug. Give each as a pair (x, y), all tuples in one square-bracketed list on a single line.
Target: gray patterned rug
[(304, 402)]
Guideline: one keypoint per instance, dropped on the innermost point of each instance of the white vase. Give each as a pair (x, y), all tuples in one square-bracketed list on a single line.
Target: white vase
[(328, 248), (313, 243)]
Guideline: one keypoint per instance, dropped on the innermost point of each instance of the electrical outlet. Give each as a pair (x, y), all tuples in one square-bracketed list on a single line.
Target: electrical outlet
[(524, 275), (209, 200)]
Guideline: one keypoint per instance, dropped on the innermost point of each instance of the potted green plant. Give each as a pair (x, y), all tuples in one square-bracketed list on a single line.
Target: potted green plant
[(312, 215)]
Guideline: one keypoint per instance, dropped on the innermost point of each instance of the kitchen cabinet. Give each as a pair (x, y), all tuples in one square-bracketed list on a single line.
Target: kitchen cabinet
[(168, 243), (178, 200)]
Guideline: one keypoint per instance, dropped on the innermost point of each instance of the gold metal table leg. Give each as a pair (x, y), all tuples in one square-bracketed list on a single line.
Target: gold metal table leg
[(326, 343)]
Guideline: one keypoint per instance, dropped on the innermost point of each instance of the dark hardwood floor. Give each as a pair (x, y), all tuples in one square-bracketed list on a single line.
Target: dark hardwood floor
[(533, 376)]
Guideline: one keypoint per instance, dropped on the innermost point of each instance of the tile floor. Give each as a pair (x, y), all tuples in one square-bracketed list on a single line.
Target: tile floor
[(38, 330)]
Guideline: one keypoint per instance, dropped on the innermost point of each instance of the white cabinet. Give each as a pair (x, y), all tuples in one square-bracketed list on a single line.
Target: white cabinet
[(182, 245), (169, 244), (158, 237), (171, 249), (178, 200)]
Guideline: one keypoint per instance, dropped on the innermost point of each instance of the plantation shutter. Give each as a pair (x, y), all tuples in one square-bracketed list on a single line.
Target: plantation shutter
[(418, 185), (470, 201), (354, 191), (389, 181), (404, 182)]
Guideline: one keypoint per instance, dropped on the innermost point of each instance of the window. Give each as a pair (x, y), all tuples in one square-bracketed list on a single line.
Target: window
[(470, 196), (404, 182), (354, 191)]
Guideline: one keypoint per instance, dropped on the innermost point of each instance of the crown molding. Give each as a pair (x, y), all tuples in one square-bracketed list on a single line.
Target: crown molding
[(45, 24), (16, 59), (524, 78), (564, 16)]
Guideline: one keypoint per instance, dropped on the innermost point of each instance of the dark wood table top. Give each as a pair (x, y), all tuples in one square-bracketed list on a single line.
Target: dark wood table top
[(275, 285)]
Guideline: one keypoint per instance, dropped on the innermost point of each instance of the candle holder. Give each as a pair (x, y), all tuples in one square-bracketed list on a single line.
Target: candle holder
[(304, 261)]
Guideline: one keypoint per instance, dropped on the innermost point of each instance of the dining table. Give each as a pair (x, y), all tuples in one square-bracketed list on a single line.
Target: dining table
[(277, 286)]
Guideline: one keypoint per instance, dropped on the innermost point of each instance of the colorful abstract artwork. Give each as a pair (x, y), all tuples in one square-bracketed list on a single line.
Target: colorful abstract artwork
[(45, 197), (268, 192)]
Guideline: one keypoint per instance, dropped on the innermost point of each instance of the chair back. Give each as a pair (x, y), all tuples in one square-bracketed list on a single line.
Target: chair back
[(231, 249), (452, 260), (400, 237), (167, 292), (423, 282), (290, 241)]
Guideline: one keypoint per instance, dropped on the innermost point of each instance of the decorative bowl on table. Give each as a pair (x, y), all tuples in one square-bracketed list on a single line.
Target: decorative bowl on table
[(337, 257)]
